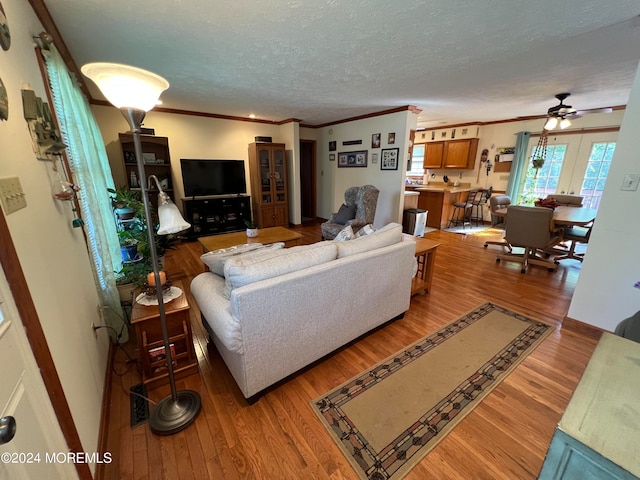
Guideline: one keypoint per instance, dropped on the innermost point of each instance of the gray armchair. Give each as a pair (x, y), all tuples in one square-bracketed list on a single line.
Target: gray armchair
[(363, 200), (532, 229)]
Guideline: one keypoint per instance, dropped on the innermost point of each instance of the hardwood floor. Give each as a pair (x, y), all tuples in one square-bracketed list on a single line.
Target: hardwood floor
[(279, 437)]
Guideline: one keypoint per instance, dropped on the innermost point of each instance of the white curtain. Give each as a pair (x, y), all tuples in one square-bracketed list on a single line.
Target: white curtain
[(91, 172)]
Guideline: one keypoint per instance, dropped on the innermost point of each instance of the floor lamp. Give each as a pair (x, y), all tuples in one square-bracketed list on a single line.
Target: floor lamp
[(135, 91)]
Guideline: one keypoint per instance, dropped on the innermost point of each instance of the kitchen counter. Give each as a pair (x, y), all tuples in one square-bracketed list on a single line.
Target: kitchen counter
[(438, 199)]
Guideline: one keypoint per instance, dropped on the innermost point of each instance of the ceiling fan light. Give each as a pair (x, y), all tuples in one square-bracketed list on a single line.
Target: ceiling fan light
[(551, 123), (564, 123)]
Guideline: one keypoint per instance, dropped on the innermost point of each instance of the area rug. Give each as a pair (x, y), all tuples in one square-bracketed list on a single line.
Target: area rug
[(467, 229), (386, 419)]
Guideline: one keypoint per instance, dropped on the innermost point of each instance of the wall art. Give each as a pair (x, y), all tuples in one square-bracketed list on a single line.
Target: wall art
[(352, 159), (332, 157), (5, 36), (352, 142), (4, 102), (332, 146), (392, 138), (46, 139), (375, 140), (389, 159)]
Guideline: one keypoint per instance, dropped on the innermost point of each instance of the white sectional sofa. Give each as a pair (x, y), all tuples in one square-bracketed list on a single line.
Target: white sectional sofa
[(276, 312)]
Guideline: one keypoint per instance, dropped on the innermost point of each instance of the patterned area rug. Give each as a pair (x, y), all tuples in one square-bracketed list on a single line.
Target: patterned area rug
[(388, 418)]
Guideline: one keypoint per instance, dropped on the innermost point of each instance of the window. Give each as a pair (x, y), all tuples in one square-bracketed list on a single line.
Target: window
[(417, 160), (546, 181), (596, 173)]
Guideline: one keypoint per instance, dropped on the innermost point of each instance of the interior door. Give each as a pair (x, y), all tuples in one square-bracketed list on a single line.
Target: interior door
[(308, 179), (34, 452)]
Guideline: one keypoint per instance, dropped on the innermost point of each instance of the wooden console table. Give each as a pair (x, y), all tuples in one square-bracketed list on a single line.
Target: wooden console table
[(146, 320), (426, 255), (599, 433)]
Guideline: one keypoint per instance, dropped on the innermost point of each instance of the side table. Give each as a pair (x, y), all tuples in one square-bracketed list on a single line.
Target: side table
[(148, 328), (426, 255)]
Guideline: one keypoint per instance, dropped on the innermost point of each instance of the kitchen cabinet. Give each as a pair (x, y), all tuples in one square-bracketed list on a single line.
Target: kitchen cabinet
[(433, 154), (459, 154)]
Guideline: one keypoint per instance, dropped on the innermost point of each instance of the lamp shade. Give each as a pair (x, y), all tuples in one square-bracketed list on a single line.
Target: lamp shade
[(125, 86), (564, 123), (170, 219), (551, 123)]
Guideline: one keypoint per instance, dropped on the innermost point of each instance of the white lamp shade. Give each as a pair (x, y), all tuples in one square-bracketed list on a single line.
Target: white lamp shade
[(170, 219), (125, 86), (551, 123), (564, 123)]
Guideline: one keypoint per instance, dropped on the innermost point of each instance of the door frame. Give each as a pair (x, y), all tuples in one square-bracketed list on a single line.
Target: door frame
[(28, 314)]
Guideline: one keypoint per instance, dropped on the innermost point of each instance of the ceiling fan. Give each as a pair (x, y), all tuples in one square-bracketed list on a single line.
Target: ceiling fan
[(561, 113)]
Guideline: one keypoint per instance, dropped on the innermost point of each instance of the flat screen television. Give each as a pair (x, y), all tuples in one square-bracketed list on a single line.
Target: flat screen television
[(213, 177)]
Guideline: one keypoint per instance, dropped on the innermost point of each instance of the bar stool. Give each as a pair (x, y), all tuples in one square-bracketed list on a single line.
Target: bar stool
[(478, 204), (462, 210)]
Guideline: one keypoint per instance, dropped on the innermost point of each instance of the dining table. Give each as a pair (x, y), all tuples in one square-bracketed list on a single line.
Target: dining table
[(564, 215)]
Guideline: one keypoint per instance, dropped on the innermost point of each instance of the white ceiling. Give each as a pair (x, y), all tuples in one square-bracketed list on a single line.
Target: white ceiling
[(326, 60)]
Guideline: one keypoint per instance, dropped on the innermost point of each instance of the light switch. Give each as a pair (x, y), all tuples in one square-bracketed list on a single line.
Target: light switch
[(11, 195), (630, 182)]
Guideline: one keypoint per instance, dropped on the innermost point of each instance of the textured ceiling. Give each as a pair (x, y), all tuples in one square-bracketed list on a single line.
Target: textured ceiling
[(326, 60)]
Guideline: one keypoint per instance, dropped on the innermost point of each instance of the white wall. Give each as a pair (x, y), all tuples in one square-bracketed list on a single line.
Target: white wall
[(333, 181), (53, 255), (604, 295)]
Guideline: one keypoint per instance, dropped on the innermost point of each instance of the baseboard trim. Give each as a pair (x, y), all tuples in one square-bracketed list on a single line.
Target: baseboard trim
[(583, 328), (103, 432)]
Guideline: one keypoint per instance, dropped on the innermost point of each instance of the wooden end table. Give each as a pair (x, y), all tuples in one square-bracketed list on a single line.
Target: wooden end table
[(146, 320), (426, 255), (265, 236)]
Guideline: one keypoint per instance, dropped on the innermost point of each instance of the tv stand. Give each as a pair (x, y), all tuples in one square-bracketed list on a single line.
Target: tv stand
[(214, 215)]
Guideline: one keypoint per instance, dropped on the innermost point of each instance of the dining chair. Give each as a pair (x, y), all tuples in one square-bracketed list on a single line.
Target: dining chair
[(498, 202), (575, 235), (530, 228), (567, 200)]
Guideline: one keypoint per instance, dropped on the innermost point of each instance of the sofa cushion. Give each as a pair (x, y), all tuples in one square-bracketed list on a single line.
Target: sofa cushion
[(243, 270), (345, 213), (216, 259), (387, 235)]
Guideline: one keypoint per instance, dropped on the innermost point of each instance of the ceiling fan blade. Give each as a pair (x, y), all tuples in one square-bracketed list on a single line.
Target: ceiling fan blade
[(594, 110)]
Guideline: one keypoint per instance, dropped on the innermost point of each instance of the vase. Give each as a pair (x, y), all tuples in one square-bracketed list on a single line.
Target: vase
[(252, 232)]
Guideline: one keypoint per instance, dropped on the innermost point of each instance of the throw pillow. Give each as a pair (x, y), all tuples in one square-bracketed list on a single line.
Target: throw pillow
[(366, 230), (345, 213), (345, 234)]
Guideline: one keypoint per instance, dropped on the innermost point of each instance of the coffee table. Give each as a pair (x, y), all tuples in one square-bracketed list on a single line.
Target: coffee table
[(265, 236)]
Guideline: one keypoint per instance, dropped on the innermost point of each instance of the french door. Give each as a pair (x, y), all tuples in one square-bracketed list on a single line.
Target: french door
[(576, 164)]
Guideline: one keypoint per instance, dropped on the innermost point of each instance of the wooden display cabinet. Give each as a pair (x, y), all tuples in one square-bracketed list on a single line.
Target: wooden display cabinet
[(148, 328), (269, 187)]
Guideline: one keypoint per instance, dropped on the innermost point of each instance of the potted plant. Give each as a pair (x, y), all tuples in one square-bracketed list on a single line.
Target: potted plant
[(130, 277), (252, 229), (126, 203), (128, 245)]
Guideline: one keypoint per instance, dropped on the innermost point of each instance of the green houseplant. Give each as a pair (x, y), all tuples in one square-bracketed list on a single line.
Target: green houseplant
[(252, 229), (126, 203)]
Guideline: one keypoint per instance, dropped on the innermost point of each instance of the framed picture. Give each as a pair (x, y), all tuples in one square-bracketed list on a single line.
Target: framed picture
[(149, 158), (392, 138), (332, 157), (352, 159), (332, 146), (129, 157), (389, 159), (375, 140), (374, 158)]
